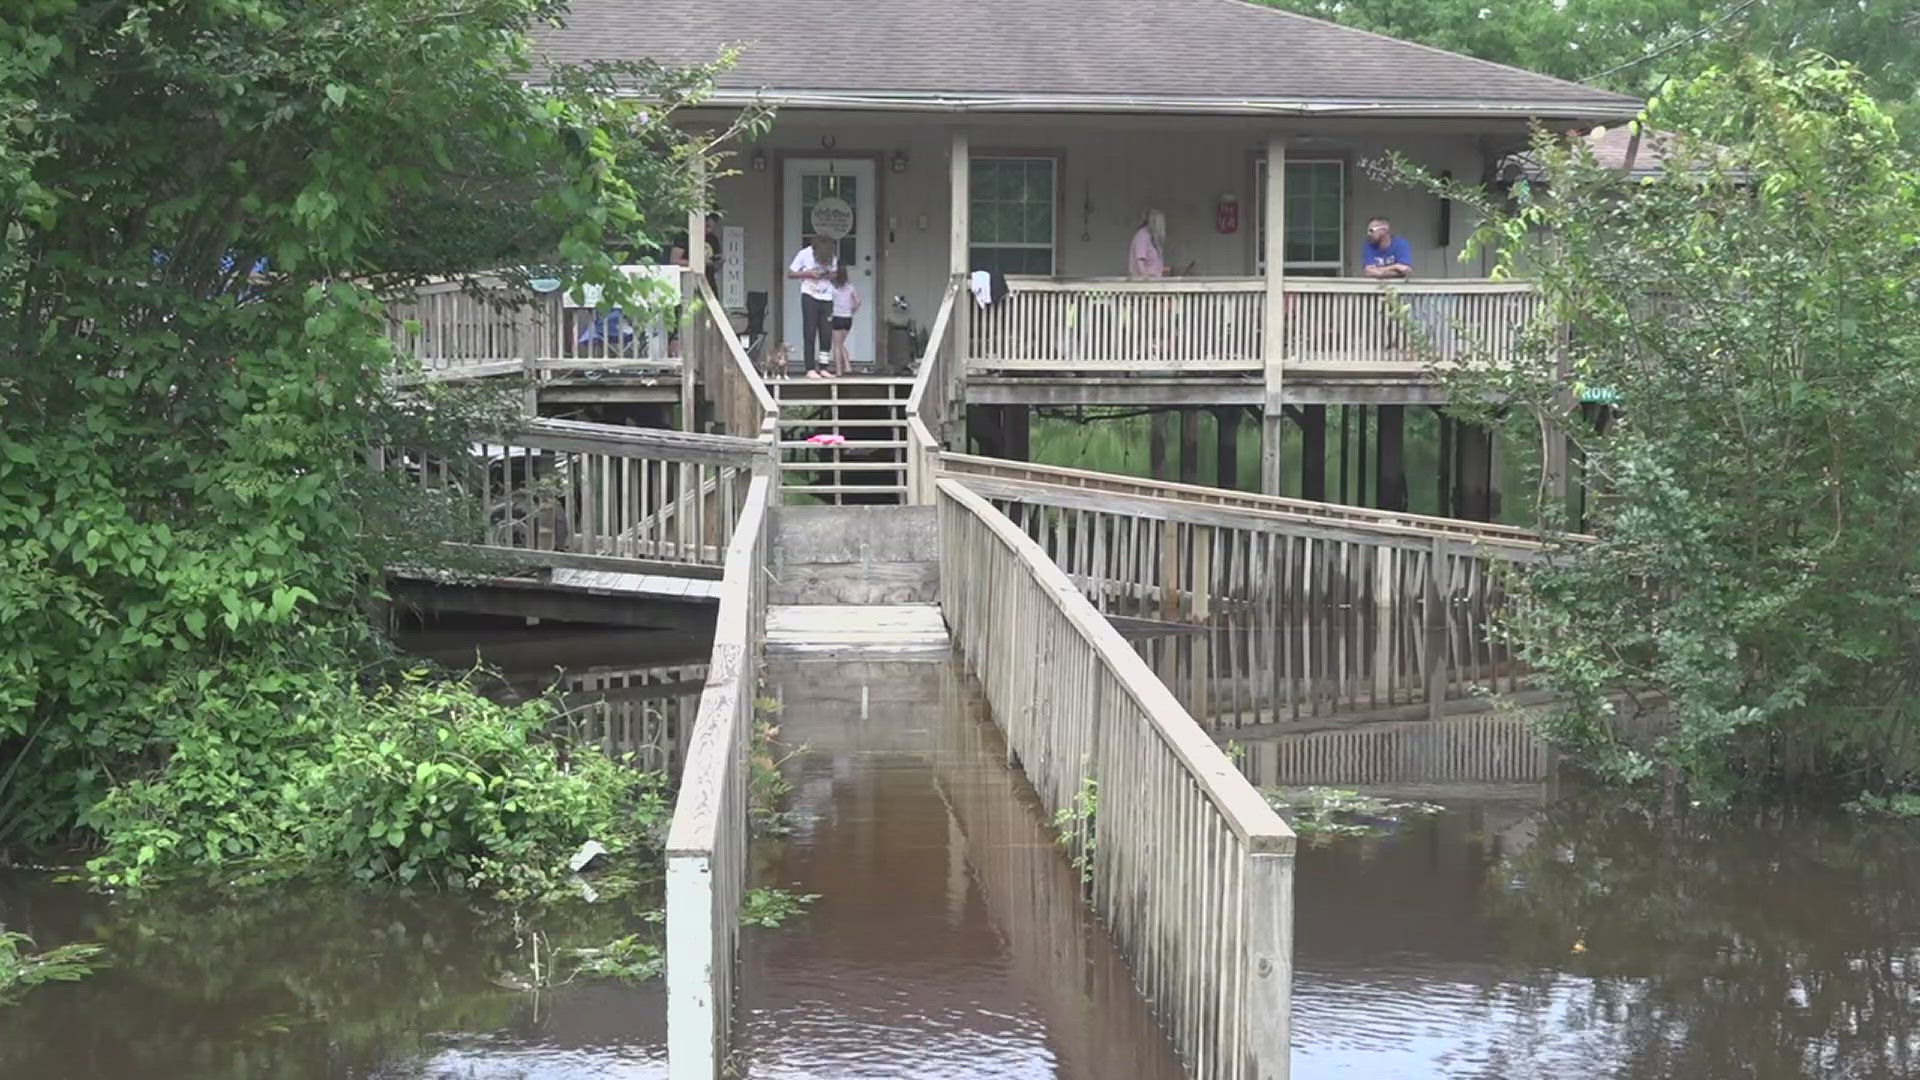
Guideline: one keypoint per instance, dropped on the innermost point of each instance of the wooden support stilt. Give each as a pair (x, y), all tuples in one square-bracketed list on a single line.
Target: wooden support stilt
[(1313, 452), (1392, 484)]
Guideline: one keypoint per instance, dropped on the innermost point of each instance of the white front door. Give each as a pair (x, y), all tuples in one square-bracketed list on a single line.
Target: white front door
[(839, 193)]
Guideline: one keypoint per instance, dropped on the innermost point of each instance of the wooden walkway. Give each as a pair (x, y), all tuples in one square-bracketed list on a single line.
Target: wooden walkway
[(1184, 862)]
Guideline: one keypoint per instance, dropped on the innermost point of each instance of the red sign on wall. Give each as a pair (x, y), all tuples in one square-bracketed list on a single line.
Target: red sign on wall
[(1226, 214)]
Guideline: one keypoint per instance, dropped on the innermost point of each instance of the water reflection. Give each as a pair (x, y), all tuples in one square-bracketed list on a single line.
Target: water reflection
[(949, 940), (626, 691), (314, 984), (1534, 930)]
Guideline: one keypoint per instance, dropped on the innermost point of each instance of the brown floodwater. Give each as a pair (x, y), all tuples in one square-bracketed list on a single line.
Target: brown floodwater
[(949, 939), (1532, 929)]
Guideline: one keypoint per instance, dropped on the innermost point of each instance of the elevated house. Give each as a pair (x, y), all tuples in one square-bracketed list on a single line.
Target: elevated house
[(937, 139)]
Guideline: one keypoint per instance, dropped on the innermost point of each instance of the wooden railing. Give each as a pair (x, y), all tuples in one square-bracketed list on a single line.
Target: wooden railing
[(741, 402), (1096, 325), (707, 841), (1298, 615), (561, 493), (1188, 867), (1367, 325), (969, 465), (935, 398), (481, 326), (1217, 325)]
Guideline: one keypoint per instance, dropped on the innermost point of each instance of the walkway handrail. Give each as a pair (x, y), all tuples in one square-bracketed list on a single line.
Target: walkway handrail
[(928, 403), (972, 465), (741, 398), (707, 841), (1188, 866), (595, 497)]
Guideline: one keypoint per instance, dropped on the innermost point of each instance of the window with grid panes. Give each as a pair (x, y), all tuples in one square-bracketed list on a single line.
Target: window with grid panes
[(1011, 214), (1316, 217)]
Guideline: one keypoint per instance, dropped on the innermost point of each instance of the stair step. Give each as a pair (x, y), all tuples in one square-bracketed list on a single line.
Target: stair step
[(843, 380), (842, 466), (847, 489)]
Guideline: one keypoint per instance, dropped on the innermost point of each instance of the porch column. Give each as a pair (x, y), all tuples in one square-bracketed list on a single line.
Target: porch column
[(1273, 343), (691, 352), (960, 178)]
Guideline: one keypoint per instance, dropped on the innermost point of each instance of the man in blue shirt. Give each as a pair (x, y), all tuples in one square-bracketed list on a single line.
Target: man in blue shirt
[(1384, 255)]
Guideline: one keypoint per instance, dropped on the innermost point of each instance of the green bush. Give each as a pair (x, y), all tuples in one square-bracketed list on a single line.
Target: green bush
[(424, 782)]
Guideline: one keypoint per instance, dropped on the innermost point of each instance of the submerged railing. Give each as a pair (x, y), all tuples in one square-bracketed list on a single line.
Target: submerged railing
[(707, 842), (1292, 615), (1186, 864)]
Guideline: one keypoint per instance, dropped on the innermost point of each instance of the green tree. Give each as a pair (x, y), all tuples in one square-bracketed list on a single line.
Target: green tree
[(1753, 308), (203, 204), (1634, 45)]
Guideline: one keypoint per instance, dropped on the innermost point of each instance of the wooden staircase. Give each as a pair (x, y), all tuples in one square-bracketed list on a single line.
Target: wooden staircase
[(870, 413)]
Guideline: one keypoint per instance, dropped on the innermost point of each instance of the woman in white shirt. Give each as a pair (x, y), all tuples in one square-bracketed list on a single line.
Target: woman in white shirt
[(813, 268)]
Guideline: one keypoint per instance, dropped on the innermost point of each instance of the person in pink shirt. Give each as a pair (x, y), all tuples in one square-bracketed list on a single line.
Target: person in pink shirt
[(1146, 256)]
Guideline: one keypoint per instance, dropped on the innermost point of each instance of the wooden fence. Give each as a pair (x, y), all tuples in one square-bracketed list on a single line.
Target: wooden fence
[(935, 399), (1362, 324), (1297, 615), (482, 326), (1173, 324), (598, 497), (1187, 866), (741, 403), (707, 841)]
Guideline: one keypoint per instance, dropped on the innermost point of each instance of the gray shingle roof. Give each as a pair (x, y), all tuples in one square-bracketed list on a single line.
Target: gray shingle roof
[(1152, 55)]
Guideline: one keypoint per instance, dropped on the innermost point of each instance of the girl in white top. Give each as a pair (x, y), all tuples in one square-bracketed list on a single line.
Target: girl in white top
[(846, 301)]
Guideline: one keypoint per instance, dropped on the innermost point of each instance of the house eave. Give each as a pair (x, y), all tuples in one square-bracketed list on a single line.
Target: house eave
[(920, 101)]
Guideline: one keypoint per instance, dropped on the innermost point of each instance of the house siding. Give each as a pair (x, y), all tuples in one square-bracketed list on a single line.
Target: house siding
[(1109, 174)]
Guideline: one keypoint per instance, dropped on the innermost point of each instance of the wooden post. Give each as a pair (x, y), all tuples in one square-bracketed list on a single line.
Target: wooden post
[(1434, 640), (1016, 428), (1273, 342), (959, 331), (1554, 465), (1475, 446), (1226, 447), (1313, 452), (528, 324), (1443, 488), (1392, 486), (1360, 472), (1346, 453), (1157, 445), (691, 338), (1189, 446), (1267, 1013)]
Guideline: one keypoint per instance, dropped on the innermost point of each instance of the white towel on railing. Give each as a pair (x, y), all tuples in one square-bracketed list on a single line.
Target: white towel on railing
[(981, 284)]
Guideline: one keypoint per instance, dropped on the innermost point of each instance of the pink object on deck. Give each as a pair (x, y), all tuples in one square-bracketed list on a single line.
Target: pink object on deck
[(827, 440)]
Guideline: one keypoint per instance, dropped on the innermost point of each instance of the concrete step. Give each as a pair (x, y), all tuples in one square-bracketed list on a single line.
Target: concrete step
[(847, 631)]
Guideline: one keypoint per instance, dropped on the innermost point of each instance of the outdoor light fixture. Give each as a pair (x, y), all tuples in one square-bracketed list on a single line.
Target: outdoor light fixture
[(759, 159), (899, 161)]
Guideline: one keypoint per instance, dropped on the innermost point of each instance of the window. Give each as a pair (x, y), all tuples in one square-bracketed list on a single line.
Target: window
[(1316, 217), (1011, 214)]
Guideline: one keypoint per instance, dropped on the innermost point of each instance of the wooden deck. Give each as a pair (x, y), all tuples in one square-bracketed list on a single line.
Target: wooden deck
[(848, 632)]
